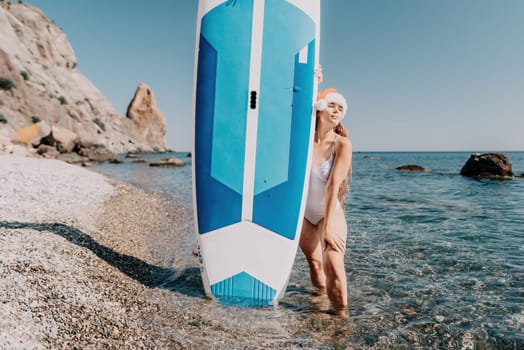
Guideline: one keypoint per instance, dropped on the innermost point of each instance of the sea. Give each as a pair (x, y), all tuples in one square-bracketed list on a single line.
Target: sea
[(434, 260)]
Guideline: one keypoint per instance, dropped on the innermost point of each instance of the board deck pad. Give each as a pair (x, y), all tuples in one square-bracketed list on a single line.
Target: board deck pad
[(253, 120)]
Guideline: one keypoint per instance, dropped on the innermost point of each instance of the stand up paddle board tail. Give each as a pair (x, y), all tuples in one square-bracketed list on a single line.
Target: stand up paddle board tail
[(253, 118)]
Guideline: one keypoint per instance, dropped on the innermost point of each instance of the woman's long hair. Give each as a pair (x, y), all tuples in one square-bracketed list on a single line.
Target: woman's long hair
[(340, 130)]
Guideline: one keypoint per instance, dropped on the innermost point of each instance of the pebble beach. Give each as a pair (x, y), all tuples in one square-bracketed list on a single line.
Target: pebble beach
[(77, 269)]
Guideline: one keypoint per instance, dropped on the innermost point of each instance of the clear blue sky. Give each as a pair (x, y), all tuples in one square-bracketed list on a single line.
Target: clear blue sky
[(419, 75)]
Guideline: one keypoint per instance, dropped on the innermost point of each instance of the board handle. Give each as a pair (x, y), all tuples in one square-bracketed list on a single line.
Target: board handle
[(253, 100)]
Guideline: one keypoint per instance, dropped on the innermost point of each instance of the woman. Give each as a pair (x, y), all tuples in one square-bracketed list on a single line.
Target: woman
[(324, 230)]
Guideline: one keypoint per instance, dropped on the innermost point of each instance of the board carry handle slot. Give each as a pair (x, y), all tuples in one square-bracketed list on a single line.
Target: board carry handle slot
[(253, 100)]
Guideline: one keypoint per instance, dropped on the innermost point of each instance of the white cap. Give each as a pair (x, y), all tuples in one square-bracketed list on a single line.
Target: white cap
[(328, 96)]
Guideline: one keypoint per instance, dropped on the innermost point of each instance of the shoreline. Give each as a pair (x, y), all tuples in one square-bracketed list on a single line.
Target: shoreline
[(58, 268), (88, 262)]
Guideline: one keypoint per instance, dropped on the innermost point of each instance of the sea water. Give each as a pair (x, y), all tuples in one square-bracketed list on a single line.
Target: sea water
[(434, 259)]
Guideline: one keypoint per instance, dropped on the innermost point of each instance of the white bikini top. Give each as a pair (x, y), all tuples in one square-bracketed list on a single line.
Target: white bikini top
[(323, 170)]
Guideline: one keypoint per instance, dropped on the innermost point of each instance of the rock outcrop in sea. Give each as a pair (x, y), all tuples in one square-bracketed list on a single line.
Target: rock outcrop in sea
[(488, 165), (411, 167), (40, 84), (168, 162)]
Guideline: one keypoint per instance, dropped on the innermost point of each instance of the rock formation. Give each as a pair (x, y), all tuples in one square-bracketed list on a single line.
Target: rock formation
[(488, 165), (147, 118), (168, 162), (39, 81), (411, 167)]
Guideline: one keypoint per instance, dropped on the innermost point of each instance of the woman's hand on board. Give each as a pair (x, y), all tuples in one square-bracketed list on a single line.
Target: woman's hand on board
[(318, 74)]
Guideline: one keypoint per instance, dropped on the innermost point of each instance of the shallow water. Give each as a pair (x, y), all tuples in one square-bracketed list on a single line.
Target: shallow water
[(435, 260)]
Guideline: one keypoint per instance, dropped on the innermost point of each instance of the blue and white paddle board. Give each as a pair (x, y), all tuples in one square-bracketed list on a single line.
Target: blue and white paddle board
[(253, 119)]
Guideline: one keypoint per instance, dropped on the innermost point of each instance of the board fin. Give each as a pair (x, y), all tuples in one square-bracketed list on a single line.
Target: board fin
[(244, 288)]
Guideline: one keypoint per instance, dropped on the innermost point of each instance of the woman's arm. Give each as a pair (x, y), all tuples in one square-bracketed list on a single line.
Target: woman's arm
[(339, 172)]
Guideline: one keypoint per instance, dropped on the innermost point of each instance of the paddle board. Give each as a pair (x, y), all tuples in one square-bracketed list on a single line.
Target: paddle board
[(254, 89)]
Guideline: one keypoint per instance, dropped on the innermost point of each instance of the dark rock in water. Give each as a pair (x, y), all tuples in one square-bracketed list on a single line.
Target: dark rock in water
[(115, 161), (100, 158), (411, 167), (370, 157), (139, 160), (488, 165), (173, 161)]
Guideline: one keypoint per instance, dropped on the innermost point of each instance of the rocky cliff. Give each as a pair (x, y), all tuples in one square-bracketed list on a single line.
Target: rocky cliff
[(40, 84)]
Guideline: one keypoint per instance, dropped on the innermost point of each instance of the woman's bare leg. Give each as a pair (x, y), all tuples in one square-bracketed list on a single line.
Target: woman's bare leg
[(334, 269), (310, 245), (336, 281)]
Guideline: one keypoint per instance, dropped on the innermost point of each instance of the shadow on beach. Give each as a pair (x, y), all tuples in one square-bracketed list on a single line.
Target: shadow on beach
[(187, 281)]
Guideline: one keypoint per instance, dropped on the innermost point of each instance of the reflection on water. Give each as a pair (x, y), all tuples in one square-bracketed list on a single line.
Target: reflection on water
[(434, 260)]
